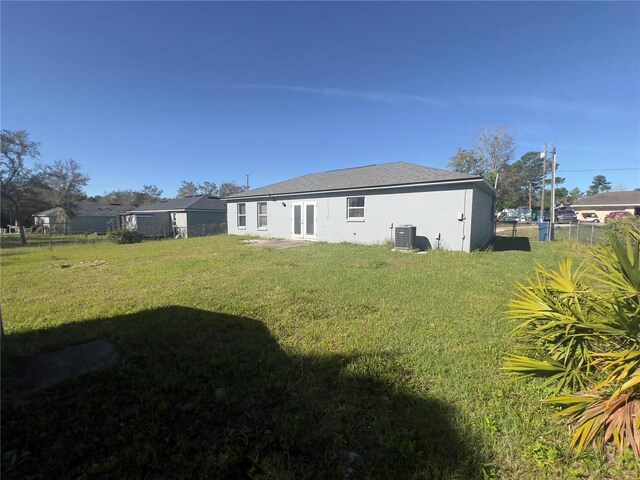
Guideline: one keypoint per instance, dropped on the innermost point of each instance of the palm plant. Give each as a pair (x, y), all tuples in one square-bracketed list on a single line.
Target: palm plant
[(583, 332)]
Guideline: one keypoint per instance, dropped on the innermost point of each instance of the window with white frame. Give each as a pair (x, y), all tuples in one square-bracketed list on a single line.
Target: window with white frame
[(355, 208), (262, 215), (242, 215)]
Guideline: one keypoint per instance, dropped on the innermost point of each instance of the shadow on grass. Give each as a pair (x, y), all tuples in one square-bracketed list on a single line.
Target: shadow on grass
[(196, 394), (504, 244)]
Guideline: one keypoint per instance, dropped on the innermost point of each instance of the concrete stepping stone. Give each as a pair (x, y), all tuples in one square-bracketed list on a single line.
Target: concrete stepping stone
[(51, 368)]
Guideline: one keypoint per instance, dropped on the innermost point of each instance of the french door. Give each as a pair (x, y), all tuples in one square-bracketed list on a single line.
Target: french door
[(303, 220)]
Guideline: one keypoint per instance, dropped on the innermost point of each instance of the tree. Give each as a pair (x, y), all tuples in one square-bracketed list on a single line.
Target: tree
[(599, 185), (562, 196), (187, 189), (65, 181), (574, 195), (208, 188), (149, 194), (117, 196), (466, 161), (495, 148), (17, 182), (528, 170), (230, 188)]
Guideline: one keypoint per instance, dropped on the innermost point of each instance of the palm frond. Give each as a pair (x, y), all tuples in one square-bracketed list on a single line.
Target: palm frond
[(584, 327)]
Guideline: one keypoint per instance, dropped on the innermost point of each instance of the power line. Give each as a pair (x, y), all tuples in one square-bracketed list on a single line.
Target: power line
[(599, 169)]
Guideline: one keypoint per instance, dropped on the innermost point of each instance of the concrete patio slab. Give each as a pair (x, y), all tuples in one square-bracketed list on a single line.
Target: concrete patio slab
[(276, 244)]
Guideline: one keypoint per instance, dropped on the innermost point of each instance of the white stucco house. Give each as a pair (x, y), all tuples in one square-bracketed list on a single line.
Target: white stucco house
[(449, 210)]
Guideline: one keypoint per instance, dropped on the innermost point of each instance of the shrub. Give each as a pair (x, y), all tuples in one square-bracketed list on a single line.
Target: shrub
[(615, 230), (584, 324), (122, 236)]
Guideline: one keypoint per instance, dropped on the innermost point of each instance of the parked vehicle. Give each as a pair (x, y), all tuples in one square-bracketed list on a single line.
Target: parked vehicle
[(566, 215), (616, 216), (514, 215), (590, 218)]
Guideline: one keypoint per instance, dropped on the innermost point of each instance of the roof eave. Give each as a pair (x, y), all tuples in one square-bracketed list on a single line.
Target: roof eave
[(593, 205)]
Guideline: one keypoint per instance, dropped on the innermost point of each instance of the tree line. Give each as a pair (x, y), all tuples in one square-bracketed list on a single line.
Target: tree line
[(517, 183), (151, 194), (25, 190)]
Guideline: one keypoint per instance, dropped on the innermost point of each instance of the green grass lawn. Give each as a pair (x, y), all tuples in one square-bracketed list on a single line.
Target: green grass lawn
[(325, 361)]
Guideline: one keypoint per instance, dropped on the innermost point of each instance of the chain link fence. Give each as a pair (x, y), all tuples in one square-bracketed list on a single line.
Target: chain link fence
[(589, 233), (201, 230), (51, 235)]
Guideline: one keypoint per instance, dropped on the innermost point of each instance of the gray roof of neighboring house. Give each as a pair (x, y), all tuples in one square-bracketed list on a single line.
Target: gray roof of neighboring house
[(617, 199), (387, 174), (199, 202), (87, 208), (49, 213)]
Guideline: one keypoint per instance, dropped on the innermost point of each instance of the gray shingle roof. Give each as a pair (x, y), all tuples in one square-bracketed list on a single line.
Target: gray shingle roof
[(49, 213), (387, 174), (630, 199), (200, 202), (87, 208)]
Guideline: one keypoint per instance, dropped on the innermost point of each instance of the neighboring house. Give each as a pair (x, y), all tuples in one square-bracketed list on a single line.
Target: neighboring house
[(87, 217), (52, 220), (365, 204), (179, 217), (605, 203)]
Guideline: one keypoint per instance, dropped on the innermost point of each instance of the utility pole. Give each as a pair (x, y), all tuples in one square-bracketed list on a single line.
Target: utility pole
[(552, 208), (530, 193), (544, 176)]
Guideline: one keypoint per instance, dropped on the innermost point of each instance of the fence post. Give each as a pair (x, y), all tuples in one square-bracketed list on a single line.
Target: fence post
[(592, 227), (578, 232)]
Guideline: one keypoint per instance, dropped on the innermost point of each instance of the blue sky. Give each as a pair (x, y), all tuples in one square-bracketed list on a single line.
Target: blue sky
[(160, 92)]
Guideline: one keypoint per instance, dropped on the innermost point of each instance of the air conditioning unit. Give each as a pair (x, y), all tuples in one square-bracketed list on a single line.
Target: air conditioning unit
[(405, 238)]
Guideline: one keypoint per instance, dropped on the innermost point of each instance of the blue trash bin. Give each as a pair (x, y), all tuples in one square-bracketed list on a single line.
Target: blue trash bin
[(543, 232)]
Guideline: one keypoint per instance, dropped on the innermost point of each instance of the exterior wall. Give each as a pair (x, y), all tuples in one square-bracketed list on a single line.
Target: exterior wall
[(95, 224), (43, 221), (433, 210), (482, 217), (49, 223), (129, 222)]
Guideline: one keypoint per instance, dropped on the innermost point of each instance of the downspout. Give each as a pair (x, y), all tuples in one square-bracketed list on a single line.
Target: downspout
[(464, 217)]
